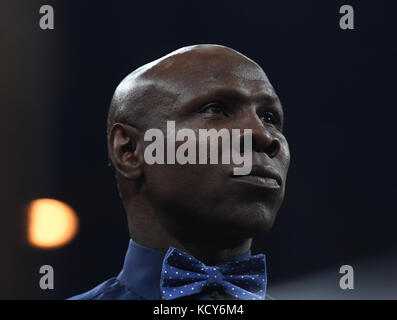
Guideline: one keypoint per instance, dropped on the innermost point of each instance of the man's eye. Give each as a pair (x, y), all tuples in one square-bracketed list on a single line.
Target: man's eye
[(214, 108), (268, 117)]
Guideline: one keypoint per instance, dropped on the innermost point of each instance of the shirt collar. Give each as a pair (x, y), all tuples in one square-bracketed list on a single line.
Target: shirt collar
[(142, 270)]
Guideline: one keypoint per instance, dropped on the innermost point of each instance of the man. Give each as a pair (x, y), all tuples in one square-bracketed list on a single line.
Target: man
[(192, 225)]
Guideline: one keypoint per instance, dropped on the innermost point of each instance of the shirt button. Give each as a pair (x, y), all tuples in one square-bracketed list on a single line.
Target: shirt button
[(215, 295)]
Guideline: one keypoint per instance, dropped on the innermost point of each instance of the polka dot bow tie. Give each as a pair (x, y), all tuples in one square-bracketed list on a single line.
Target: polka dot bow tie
[(183, 275)]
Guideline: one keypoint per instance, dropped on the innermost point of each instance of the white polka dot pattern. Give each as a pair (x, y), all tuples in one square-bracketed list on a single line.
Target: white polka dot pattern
[(183, 275)]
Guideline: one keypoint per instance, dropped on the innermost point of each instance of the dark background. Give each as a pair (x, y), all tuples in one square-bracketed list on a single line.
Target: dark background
[(338, 90)]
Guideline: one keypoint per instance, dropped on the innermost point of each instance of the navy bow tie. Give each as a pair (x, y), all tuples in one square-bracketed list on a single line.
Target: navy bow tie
[(183, 275)]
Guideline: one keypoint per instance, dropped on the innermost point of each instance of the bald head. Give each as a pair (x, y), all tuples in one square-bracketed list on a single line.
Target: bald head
[(154, 87)]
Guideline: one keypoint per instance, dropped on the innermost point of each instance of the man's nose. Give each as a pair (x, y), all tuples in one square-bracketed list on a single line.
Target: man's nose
[(263, 140)]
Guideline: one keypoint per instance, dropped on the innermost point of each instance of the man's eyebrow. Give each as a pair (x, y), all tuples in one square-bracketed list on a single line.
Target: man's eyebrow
[(267, 96)]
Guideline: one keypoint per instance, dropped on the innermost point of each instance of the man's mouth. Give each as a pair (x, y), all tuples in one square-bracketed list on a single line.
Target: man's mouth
[(262, 176)]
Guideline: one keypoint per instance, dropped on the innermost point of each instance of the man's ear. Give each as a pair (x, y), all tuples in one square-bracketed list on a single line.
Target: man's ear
[(126, 151)]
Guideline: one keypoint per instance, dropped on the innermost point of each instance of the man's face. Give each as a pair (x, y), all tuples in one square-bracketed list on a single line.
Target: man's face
[(220, 92)]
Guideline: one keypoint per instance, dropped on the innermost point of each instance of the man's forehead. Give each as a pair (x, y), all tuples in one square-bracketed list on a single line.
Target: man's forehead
[(193, 70)]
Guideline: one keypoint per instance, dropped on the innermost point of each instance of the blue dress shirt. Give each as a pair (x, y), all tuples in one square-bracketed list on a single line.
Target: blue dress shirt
[(140, 278)]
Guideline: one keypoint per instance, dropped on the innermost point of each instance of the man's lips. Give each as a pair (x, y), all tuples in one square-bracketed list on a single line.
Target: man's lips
[(264, 176)]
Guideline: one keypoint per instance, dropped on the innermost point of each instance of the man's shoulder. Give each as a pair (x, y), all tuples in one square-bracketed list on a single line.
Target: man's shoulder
[(110, 289)]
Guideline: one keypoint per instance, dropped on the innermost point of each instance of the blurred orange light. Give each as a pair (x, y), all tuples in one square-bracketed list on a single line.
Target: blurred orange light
[(51, 223)]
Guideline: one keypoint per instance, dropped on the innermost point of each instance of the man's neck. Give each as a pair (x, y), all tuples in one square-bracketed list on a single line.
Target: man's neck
[(210, 248), (215, 252)]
